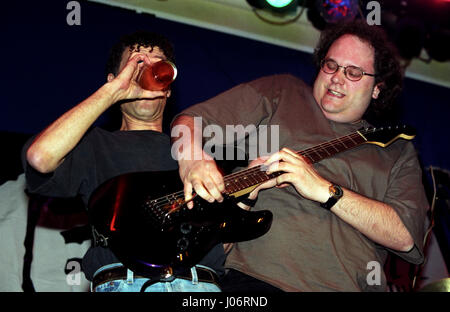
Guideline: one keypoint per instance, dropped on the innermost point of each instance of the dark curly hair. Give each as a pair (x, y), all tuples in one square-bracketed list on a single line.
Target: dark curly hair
[(135, 41), (389, 74)]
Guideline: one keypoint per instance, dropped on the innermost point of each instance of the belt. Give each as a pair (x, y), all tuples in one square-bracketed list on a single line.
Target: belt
[(120, 273)]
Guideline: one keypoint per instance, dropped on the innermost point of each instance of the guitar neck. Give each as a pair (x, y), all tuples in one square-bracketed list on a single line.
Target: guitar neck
[(245, 181), (324, 150)]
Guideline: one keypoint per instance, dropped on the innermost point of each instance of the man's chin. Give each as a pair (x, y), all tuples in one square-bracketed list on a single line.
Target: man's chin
[(330, 107), (332, 113)]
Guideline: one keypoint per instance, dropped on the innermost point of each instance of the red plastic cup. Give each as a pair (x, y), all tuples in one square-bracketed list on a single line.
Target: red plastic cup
[(157, 76)]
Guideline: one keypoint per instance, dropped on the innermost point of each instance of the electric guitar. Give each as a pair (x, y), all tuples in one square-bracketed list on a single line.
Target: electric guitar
[(143, 217)]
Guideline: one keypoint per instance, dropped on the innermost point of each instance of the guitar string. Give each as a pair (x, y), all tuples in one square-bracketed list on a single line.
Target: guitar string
[(162, 201), (307, 152), (351, 138)]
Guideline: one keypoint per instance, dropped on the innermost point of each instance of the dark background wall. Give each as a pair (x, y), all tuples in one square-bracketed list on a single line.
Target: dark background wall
[(49, 66)]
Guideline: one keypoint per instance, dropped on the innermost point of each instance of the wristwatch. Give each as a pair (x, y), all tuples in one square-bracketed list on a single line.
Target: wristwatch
[(335, 194)]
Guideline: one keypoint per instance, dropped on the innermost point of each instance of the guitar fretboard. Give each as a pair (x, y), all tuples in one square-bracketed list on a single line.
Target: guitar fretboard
[(256, 175)]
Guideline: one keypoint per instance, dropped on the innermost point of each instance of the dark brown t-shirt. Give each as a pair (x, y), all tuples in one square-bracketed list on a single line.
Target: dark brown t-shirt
[(309, 248)]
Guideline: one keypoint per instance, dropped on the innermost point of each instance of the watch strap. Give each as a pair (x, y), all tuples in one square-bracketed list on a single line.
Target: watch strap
[(335, 194)]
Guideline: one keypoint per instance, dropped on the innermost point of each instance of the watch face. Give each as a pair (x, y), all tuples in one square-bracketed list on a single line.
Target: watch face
[(336, 191)]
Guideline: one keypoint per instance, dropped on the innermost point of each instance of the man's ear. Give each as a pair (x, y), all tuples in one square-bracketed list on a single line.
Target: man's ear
[(110, 77), (376, 90), (169, 92)]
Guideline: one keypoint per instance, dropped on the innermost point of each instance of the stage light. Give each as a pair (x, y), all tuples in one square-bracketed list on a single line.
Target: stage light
[(277, 6), (334, 11), (279, 3)]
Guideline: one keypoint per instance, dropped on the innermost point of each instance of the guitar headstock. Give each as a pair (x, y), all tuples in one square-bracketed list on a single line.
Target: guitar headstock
[(383, 136)]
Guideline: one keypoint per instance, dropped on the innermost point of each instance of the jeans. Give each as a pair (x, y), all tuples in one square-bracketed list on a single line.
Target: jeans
[(135, 284)]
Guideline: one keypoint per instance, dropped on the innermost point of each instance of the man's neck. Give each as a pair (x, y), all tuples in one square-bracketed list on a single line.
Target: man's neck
[(133, 125)]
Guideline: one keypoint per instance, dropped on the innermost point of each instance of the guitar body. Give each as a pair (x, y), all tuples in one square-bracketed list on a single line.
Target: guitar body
[(150, 231)]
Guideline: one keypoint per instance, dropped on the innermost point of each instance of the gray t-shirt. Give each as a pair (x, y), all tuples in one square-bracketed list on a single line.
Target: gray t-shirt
[(309, 248)]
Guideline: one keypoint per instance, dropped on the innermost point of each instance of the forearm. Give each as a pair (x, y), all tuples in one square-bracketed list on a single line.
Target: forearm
[(198, 170), (51, 146), (376, 220), (187, 139)]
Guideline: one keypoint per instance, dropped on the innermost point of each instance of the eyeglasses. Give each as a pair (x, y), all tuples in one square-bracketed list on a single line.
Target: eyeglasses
[(352, 73)]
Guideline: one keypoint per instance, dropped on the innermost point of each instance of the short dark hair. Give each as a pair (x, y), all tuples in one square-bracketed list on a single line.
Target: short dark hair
[(136, 40), (386, 61)]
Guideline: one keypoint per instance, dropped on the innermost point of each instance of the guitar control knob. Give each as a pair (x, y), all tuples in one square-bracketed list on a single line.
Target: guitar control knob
[(185, 228), (182, 244)]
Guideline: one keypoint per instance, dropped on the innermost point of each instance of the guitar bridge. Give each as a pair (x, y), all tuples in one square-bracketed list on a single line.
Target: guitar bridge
[(160, 210)]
